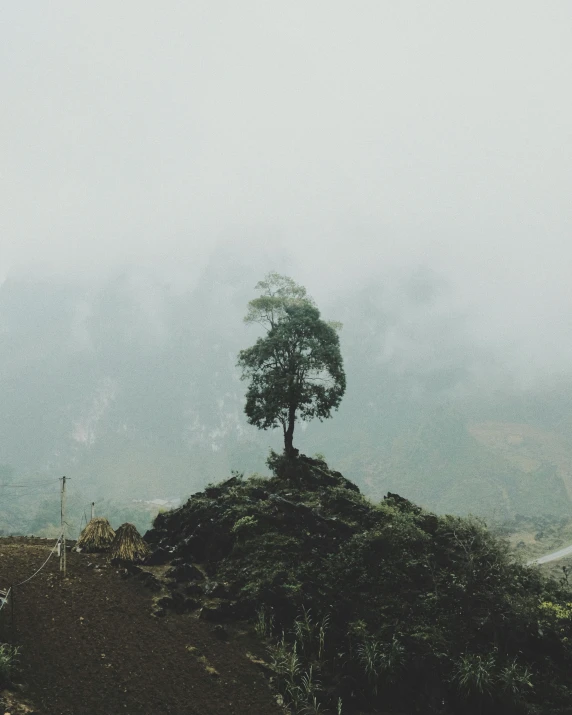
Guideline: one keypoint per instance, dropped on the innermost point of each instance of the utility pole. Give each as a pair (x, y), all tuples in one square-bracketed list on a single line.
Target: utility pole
[(63, 524)]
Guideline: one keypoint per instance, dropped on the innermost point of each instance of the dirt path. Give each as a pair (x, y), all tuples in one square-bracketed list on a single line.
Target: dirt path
[(90, 645)]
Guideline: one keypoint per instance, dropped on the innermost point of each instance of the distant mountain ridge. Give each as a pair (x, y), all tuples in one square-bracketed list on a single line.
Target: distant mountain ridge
[(132, 387)]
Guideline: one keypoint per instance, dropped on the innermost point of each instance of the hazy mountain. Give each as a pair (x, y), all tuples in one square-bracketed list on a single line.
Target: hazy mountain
[(130, 387)]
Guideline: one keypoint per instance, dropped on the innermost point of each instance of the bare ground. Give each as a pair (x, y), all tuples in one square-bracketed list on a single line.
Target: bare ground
[(90, 645)]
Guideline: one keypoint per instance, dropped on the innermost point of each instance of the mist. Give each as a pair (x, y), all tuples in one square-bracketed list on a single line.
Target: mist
[(409, 164)]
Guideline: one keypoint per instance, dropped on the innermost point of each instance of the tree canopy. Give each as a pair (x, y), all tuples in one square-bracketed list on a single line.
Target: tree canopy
[(296, 370)]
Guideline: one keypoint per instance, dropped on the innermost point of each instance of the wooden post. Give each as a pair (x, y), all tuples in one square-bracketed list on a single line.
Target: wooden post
[(63, 563)]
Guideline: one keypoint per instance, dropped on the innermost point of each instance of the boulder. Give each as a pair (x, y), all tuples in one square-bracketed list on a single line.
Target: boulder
[(214, 589), (220, 632), (218, 612), (194, 589), (149, 581), (178, 602), (185, 572), (159, 557)]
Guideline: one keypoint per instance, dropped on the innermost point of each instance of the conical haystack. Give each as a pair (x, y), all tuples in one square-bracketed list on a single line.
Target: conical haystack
[(128, 544), (97, 535)]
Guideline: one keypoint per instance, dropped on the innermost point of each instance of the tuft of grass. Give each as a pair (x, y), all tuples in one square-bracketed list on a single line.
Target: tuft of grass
[(371, 658), (474, 674), (264, 624), (8, 661), (203, 660), (296, 677), (304, 628), (324, 625)]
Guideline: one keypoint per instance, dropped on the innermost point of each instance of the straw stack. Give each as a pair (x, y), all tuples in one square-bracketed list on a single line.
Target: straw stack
[(128, 544), (97, 535)]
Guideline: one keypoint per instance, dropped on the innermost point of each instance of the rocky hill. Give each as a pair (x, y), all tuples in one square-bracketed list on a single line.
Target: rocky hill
[(291, 593), (368, 606)]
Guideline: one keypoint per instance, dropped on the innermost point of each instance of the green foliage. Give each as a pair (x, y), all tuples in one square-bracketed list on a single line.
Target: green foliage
[(296, 370), (264, 624), (474, 674), (481, 680), (384, 606), (515, 681), (371, 659), (292, 662), (8, 661), (244, 525), (278, 293)]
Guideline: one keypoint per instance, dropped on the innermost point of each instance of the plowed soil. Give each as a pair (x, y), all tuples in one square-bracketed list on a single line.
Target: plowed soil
[(90, 645)]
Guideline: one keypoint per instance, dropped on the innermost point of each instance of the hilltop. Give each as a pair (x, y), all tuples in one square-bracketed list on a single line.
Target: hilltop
[(298, 587), (367, 606)]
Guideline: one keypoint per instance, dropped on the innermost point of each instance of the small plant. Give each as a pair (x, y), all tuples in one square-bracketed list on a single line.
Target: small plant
[(371, 658), (299, 688), (304, 628), (8, 659), (514, 680), (394, 659), (285, 660), (313, 707), (264, 624), (474, 674), (322, 635), (309, 684), (244, 526)]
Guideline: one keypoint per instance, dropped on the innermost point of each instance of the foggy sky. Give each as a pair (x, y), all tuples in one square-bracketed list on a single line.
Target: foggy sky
[(348, 139)]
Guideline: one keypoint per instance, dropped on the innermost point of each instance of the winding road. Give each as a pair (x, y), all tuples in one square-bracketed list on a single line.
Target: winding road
[(554, 556)]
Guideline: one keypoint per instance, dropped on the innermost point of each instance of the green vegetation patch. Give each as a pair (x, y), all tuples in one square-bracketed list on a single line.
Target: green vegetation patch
[(377, 607)]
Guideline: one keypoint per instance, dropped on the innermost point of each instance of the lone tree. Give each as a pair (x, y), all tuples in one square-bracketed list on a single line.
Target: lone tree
[(295, 370)]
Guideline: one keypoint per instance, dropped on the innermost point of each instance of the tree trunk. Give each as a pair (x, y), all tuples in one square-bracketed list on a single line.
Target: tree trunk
[(289, 432)]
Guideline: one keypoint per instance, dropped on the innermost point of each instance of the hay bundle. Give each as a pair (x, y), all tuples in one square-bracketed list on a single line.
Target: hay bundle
[(97, 535), (128, 544)]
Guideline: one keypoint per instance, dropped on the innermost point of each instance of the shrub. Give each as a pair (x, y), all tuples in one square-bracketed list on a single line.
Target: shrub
[(8, 661), (384, 607)]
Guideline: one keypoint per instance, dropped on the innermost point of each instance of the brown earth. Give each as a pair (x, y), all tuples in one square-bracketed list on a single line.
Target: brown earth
[(90, 645)]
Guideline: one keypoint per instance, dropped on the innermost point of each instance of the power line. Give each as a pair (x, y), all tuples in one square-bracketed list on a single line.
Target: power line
[(27, 484), (19, 494)]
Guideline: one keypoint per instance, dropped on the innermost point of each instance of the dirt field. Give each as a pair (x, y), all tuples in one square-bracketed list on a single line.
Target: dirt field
[(90, 645)]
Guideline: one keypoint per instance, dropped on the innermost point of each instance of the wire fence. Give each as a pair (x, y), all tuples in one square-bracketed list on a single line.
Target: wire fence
[(7, 596), (53, 550)]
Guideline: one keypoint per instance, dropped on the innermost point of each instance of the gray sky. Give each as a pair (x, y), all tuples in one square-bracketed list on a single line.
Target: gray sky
[(359, 136)]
